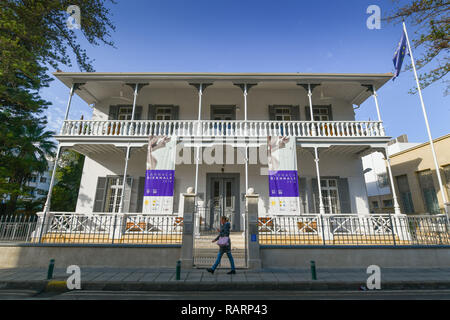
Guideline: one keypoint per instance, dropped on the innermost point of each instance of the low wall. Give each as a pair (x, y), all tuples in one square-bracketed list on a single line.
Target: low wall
[(334, 257), (157, 256)]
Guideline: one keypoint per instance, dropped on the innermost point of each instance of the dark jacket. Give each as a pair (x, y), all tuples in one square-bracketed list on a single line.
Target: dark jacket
[(225, 232)]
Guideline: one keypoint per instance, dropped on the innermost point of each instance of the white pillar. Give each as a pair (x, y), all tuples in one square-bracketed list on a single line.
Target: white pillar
[(375, 97), (134, 100), (314, 133), (316, 159), (200, 93), (394, 193), (70, 101), (246, 132), (124, 182)]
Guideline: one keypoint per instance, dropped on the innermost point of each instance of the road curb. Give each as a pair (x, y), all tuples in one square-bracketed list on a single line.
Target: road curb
[(317, 285)]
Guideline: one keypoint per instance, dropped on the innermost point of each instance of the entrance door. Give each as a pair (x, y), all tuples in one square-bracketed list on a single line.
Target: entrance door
[(223, 201)]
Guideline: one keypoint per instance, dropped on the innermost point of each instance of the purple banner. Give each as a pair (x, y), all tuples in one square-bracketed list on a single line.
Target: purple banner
[(283, 183), (159, 183)]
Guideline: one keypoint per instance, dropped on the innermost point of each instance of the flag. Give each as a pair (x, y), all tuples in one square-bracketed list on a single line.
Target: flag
[(399, 55)]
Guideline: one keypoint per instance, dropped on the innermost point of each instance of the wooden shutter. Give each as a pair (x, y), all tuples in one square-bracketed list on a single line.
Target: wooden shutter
[(307, 113), (344, 195), (127, 195), (151, 112), (295, 113), (272, 113), (302, 195), (113, 113), (100, 195), (140, 194), (175, 112), (138, 113), (314, 205)]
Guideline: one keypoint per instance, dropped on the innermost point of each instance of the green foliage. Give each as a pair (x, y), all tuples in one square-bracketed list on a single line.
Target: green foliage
[(33, 37), (432, 20), (68, 176)]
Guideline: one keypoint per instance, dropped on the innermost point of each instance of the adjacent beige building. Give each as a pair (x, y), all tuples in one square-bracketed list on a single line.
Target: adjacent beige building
[(415, 177)]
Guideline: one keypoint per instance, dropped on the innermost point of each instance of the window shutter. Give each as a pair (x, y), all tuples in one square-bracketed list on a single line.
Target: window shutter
[(127, 195), (295, 113), (138, 113), (113, 113), (140, 195), (344, 195), (100, 195), (272, 113), (175, 111), (314, 205), (151, 112), (307, 113), (330, 114), (302, 195)]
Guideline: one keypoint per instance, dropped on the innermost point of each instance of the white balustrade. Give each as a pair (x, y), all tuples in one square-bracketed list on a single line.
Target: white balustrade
[(212, 128)]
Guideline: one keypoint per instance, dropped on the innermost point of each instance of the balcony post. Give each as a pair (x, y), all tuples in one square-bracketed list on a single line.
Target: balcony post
[(371, 88), (74, 87), (124, 182), (316, 159), (309, 88), (394, 193)]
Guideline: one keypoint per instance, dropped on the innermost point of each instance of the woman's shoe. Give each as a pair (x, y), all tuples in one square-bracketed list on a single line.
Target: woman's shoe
[(232, 272), (210, 270)]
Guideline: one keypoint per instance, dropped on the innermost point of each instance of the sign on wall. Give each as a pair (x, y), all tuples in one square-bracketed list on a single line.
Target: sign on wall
[(160, 175), (283, 176)]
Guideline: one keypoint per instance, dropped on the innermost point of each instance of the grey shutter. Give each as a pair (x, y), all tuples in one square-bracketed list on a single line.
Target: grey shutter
[(175, 111), (314, 205), (113, 113), (138, 113), (344, 195), (140, 194), (302, 195), (127, 195), (295, 113), (307, 113), (272, 113), (330, 114), (100, 195), (151, 112)]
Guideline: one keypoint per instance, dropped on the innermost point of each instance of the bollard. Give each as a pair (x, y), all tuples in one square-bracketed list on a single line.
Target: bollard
[(313, 270), (178, 269), (51, 266)]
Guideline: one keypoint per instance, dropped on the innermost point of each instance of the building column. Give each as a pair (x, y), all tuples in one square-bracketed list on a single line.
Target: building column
[(251, 230), (371, 88), (309, 88), (124, 182), (316, 160), (394, 193)]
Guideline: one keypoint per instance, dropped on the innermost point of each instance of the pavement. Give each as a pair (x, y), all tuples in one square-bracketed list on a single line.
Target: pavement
[(299, 279)]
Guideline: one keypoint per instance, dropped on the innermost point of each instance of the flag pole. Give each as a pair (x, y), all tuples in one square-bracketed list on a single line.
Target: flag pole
[(438, 173)]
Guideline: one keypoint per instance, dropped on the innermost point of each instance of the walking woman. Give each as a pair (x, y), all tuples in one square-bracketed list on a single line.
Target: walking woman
[(224, 243)]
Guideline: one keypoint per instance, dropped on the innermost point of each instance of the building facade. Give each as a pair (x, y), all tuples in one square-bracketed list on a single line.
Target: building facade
[(235, 112)]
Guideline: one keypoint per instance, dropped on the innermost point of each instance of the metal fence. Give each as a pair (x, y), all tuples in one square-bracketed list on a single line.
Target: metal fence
[(348, 229), (17, 228), (101, 228)]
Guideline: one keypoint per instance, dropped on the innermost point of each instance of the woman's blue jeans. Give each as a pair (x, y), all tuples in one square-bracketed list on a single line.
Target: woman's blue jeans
[(219, 257)]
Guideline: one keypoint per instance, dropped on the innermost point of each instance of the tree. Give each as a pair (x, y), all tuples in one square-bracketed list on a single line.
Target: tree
[(33, 37), (432, 19), (68, 176)]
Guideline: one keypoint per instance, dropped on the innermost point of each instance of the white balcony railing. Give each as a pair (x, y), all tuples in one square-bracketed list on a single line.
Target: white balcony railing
[(212, 128)]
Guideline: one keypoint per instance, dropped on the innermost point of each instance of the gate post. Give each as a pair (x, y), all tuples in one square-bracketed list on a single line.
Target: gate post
[(251, 230), (187, 244)]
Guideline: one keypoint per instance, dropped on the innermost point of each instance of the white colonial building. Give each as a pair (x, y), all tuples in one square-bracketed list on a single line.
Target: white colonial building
[(238, 109)]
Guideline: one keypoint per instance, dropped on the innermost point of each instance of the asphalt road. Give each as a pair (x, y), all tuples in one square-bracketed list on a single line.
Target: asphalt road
[(229, 295)]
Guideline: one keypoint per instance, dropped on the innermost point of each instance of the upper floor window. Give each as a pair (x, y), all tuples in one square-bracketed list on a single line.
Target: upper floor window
[(43, 180), (163, 113), (321, 114), (283, 114), (125, 113)]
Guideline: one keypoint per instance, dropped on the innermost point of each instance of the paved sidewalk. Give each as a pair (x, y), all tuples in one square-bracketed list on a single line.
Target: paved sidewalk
[(138, 279)]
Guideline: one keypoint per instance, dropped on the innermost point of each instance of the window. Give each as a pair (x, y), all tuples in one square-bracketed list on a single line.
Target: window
[(113, 194), (321, 113), (375, 204), (388, 203), (33, 178), (283, 114), (382, 180), (330, 195), (405, 194), (43, 180), (125, 113), (428, 191), (163, 113)]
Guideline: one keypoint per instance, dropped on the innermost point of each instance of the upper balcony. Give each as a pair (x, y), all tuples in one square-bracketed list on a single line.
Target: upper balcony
[(223, 105)]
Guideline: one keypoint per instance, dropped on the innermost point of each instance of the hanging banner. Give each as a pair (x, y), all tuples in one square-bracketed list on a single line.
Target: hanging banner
[(160, 175), (283, 176)]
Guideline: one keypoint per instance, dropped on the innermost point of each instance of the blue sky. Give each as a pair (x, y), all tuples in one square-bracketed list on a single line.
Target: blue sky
[(262, 36)]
